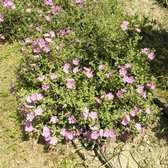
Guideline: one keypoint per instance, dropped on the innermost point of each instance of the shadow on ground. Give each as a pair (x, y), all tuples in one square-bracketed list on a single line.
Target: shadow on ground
[(159, 69)]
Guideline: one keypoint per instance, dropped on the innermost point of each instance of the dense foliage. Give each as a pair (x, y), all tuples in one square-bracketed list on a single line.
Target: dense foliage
[(84, 75)]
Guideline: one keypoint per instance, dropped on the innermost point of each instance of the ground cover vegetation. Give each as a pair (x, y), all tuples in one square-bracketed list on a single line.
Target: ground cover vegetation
[(82, 76), (84, 73)]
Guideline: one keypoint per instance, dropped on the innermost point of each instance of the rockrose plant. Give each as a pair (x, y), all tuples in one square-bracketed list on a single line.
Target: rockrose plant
[(86, 77)]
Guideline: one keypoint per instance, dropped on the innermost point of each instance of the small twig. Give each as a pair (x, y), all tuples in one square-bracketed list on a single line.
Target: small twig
[(81, 155)]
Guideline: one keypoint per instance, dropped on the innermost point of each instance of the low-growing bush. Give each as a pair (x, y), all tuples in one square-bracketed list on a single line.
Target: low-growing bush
[(84, 75)]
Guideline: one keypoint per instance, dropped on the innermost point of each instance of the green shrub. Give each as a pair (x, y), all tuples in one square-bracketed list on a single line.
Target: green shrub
[(86, 76)]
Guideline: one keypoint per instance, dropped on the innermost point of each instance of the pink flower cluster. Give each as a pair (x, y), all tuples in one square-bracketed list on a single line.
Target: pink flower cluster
[(126, 120), (88, 72), (123, 73), (95, 134), (141, 88), (108, 96), (70, 83), (46, 134), (34, 97), (146, 51), (40, 44), (67, 66), (125, 25), (69, 135), (9, 4), (86, 114), (79, 1)]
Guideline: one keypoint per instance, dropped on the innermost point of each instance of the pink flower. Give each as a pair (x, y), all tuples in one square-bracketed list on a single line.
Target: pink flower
[(46, 35), (38, 111), (98, 101), (46, 132), (1, 18), (71, 135), (120, 93), (36, 50), (53, 141), (148, 110), (101, 133), (49, 40), (109, 134), (109, 74), (72, 120), (49, 2), (28, 99), (79, 1), (45, 87), (93, 115), (144, 95), (94, 135), (151, 55), (140, 88), (89, 74), (30, 117), (102, 66), (85, 113), (40, 42), (135, 111), (48, 18), (151, 85), (46, 49), (70, 83), (62, 32), (63, 132), (53, 76), (128, 65), (28, 127), (9, 4), (41, 78), (52, 34), (126, 120), (38, 29), (39, 96), (125, 25), (138, 126), (123, 71), (54, 119), (75, 61), (109, 96), (66, 68), (28, 41), (129, 79), (75, 70), (145, 50)]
